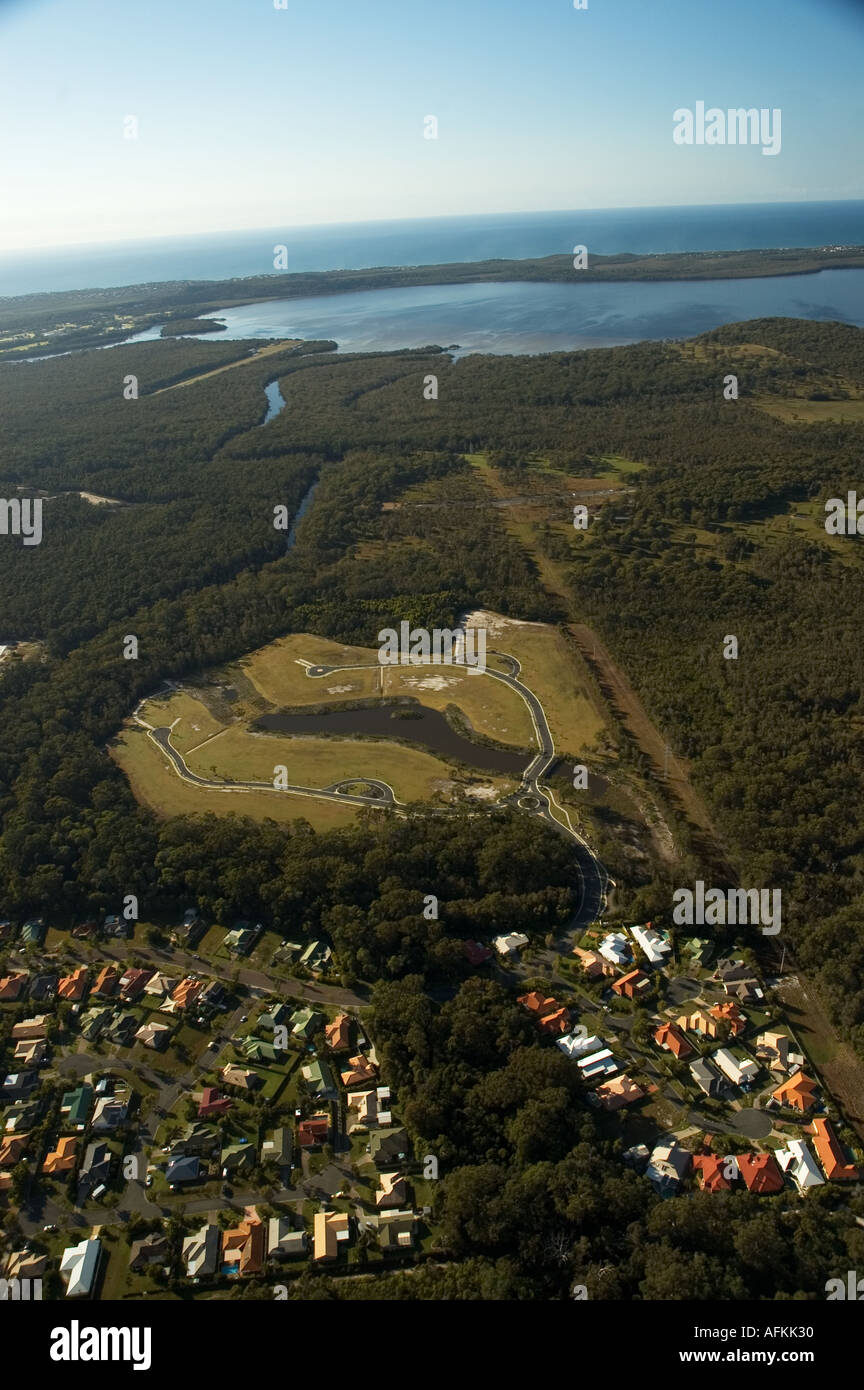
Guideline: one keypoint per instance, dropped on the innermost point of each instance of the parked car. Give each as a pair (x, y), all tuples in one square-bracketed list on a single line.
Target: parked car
[(149, 1181), (50, 1230)]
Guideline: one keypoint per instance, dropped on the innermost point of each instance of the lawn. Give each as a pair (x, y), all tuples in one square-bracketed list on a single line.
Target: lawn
[(155, 784), (553, 670), (414, 774)]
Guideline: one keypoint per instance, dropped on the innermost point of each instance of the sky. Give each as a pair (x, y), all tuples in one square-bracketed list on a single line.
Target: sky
[(251, 116)]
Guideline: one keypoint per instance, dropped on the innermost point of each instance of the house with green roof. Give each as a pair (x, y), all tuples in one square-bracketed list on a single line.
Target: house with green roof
[(305, 1022), (75, 1106), (320, 1080), (33, 932), (257, 1050), (267, 1023)]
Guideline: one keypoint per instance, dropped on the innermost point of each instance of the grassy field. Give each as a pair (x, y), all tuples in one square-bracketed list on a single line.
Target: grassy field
[(192, 722), (318, 762), (495, 711), (155, 783), (275, 673), (795, 410)]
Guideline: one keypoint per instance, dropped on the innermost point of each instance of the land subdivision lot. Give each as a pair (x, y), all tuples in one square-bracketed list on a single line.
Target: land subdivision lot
[(275, 673)]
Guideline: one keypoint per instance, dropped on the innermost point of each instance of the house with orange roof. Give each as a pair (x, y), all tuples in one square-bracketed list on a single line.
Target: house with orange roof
[(106, 982), (553, 1025), (701, 1022), (797, 1091), (729, 1012), (313, 1132), (73, 986), (244, 1248), (711, 1169), (331, 1229), (761, 1172), (360, 1071), (538, 1003), (61, 1159), (617, 1092), (831, 1154), (11, 987), (187, 992), (671, 1039), (594, 965), (630, 986), (30, 1028), (338, 1033), (13, 1147)]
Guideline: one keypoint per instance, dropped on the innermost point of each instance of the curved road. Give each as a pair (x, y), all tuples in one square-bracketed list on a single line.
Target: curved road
[(593, 878)]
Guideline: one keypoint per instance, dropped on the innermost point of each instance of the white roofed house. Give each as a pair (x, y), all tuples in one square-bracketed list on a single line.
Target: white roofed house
[(653, 946), (510, 943), (575, 1045), (79, 1266), (797, 1160), (740, 1071), (615, 948)]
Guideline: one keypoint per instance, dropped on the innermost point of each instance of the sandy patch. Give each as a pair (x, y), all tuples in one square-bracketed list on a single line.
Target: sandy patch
[(494, 623), (483, 791), (339, 689), (432, 682)]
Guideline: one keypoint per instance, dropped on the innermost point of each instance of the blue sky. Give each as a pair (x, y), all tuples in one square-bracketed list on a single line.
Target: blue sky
[(255, 117)]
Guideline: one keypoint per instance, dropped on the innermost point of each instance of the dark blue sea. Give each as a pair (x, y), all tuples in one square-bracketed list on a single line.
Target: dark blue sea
[(430, 241)]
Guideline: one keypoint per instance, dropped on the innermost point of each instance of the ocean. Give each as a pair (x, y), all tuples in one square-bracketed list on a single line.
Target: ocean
[(427, 241)]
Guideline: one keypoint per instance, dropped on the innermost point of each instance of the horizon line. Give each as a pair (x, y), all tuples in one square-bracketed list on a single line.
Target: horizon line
[(390, 221)]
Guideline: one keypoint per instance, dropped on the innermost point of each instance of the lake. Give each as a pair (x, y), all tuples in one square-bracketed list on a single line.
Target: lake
[(429, 729), (526, 317)]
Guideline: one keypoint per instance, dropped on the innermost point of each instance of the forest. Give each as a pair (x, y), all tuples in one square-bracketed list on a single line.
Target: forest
[(191, 564)]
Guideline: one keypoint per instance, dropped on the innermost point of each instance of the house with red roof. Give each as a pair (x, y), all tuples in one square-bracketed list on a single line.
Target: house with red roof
[(212, 1104), (73, 986), (729, 1012), (761, 1172), (831, 1154), (313, 1132), (711, 1167), (133, 982), (630, 986), (671, 1039)]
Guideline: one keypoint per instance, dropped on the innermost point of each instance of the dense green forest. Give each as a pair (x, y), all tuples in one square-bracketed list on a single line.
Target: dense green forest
[(194, 567)]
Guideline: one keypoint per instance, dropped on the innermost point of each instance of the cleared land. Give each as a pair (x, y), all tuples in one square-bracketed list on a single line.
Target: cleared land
[(155, 784), (267, 351), (192, 722), (276, 675)]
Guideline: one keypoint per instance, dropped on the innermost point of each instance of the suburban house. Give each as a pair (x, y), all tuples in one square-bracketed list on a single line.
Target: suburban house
[(23, 1264), (107, 982), (797, 1091), (186, 993), (160, 985), (13, 1148), (201, 1251), (95, 1168), (556, 1023), (62, 1159), (740, 1070), (617, 1092), (133, 982), (574, 1045), (551, 1016), (185, 1169), (760, 1172), (393, 1191), (33, 931), (319, 1079), (538, 1003), (671, 1039), (711, 1169), (213, 997), (667, 1166), (154, 1249), (831, 1154), (122, 1030), (594, 965), (331, 1229), (698, 950), (475, 953), (598, 1064), (701, 1022), (305, 1022), (616, 949), (242, 938), (75, 1106), (730, 1013), (631, 986), (776, 1050), (359, 1072), (238, 1159), (198, 1139), (653, 946), (283, 1241), (154, 1035), (707, 1078), (244, 1248), (278, 1147), (31, 1054), (314, 1132), (397, 1235), (79, 1266), (275, 1018), (510, 943), (390, 1147), (211, 1103), (30, 1029), (368, 1109), (257, 1050), (316, 957), (73, 987), (11, 987), (338, 1033), (731, 971), (110, 1113), (797, 1161), (233, 1075)]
